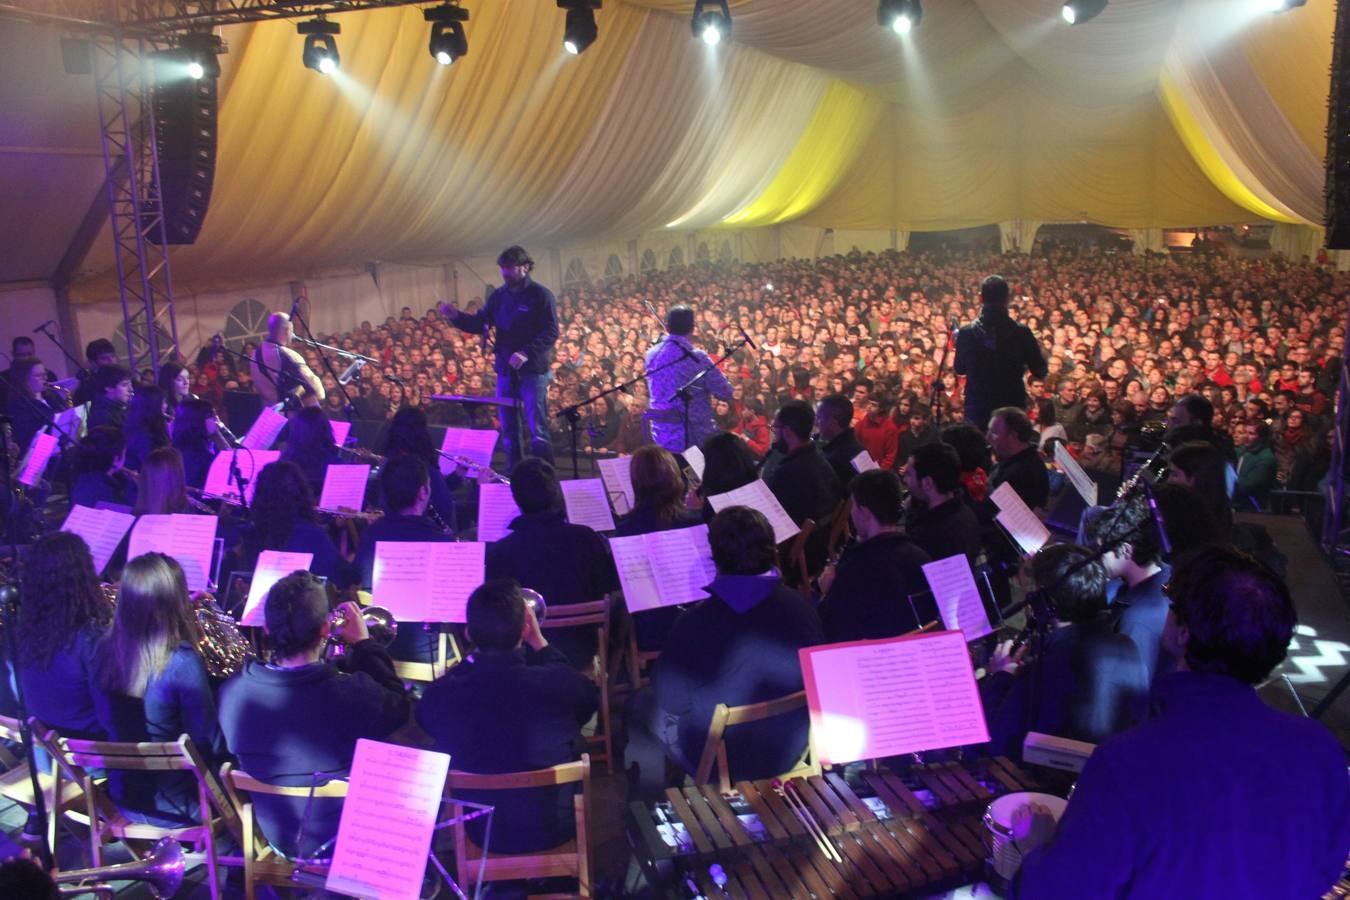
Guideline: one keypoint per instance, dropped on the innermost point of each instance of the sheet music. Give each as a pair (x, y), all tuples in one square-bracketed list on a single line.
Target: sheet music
[(188, 539), (1081, 481), (587, 504), (344, 488), (872, 699), (220, 481), (341, 430), (387, 821), (73, 422), (757, 495), (957, 596), (273, 565), (265, 430), (694, 456), (616, 473), (40, 452), (864, 462), (102, 530), (1018, 519), (496, 509), (427, 581), (477, 444), (664, 568)]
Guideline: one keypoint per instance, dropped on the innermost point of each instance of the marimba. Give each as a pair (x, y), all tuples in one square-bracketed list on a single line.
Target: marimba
[(887, 835)]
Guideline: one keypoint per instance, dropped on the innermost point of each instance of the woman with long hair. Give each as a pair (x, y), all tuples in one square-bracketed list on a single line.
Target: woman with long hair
[(161, 490), (408, 435), (310, 445), (176, 383), (61, 619), (196, 437), (153, 685), (728, 464), (147, 425), (284, 519)]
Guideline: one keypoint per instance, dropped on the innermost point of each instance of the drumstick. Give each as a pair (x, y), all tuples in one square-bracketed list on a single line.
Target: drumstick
[(804, 816)]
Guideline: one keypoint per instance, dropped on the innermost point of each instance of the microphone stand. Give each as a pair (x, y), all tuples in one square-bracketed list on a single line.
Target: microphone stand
[(80, 370), (10, 598), (281, 376), (683, 391), (347, 406)]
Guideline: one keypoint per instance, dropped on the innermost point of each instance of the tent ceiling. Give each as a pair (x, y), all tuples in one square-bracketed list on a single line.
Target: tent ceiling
[(991, 110)]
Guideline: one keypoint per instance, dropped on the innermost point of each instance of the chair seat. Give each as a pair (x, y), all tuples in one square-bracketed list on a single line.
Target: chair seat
[(17, 786), (559, 860)]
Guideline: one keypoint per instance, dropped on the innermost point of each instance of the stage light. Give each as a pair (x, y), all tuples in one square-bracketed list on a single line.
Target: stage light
[(321, 53), (200, 49), (900, 16), (448, 41), (1076, 12), (711, 24), (580, 31)]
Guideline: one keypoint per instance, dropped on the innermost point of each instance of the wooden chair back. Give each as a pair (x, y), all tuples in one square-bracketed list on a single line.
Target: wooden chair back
[(570, 859), (797, 556), (724, 717), (74, 760), (594, 614), (447, 655), (262, 864), (17, 785)]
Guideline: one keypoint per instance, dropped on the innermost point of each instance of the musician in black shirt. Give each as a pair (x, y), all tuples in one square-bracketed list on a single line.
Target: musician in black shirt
[(994, 352)]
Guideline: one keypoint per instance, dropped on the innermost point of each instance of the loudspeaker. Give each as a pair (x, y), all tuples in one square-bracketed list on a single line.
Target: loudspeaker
[(1338, 135), (185, 133)]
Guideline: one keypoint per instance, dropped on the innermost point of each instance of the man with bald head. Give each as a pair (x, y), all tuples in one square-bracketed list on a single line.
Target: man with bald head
[(280, 373)]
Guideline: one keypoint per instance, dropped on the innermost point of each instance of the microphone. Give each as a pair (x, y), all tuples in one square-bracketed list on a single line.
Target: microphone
[(747, 338), (1163, 542), (44, 326), (351, 371)]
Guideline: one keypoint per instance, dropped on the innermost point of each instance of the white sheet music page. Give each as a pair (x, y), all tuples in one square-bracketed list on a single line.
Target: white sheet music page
[(344, 488), (457, 569), (757, 495), (477, 444), (387, 821), (635, 573), (616, 473), (871, 699), (340, 431), (220, 480), (188, 539), (682, 563), (1081, 481), (71, 422), (864, 462), (496, 509), (102, 530), (694, 456), (40, 452), (587, 503), (1019, 521), (265, 430), (401, 580), (273, 565), (958, 598)]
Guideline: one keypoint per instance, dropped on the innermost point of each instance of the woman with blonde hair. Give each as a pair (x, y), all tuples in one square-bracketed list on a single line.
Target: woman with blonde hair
[(153, 685), (161, 488)]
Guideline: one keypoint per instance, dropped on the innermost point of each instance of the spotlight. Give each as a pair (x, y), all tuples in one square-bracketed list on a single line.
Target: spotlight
[(711, 24), (321, 53), (1076, 12), (900, 16), (448, 42), (580, 31), (200, 49)]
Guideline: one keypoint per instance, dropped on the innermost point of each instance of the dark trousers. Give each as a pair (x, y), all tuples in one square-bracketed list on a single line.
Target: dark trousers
[(533, 394)]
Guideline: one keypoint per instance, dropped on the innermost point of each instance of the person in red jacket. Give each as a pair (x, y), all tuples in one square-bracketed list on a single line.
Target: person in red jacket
[(877, 432)]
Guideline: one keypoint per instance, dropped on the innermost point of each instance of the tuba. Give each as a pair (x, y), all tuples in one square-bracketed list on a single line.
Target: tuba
[(162, 869)]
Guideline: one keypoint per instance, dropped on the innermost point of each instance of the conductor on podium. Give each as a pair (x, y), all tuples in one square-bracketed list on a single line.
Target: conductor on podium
[(524, 315)]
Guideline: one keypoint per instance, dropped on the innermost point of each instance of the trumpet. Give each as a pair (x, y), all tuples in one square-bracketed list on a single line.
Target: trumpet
[(162, 869), (536, 602), (380, 623)]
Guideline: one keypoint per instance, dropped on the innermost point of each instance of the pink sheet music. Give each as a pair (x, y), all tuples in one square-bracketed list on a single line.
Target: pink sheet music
[(496, 509), (188, 539), (40, 452), (265, 430), (273, 565), (871, 699), (587, 503), (102, 530), (757, 495), (426, 581), (344, 488), (387, 821), (220, 482), (664, 568), (957, 596), (477, 444), (340, 431), (616, 473)]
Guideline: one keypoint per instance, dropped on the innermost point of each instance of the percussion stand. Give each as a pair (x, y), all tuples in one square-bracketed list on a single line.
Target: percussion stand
[(10, 598)]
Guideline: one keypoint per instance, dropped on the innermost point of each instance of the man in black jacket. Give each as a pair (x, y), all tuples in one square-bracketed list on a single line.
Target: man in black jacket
[(803, 481), (839, 443), (296, 720), (939, 521), (739, 646), (514, 705), (873, 592), (994, 353), (525, 316), (1012, 438)]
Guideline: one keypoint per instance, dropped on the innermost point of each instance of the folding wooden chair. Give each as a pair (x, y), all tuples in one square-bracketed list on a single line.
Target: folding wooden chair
[(263, 864), (797, 556), (74, 758), (724, 717), (16, 785), (447, 655), (592, 615), (570, 859)]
